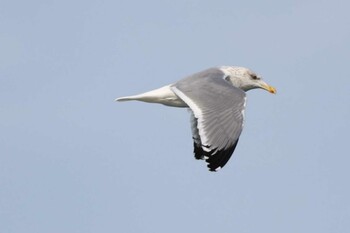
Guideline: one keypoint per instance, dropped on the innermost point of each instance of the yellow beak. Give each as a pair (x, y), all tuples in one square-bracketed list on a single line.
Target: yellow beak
[(268, 88)]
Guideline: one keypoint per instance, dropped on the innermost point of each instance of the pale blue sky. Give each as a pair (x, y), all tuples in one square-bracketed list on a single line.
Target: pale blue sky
[(72, 160)]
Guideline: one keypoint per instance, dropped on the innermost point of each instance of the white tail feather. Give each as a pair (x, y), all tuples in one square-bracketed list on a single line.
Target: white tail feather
[(163, 95), (128, 98)]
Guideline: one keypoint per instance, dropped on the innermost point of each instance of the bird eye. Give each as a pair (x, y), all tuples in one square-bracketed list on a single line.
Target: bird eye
[(254, 77)]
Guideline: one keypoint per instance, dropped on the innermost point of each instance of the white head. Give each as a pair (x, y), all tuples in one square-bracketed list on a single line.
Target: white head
[(245, 79)]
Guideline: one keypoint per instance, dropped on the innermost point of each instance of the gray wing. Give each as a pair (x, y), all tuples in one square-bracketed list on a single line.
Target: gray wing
[(217, 120)]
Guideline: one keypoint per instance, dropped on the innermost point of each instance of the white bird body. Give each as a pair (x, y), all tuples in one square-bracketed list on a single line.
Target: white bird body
[(217, 99)]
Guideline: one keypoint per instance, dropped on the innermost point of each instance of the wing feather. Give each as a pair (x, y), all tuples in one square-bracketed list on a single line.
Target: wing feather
[(217, 115)]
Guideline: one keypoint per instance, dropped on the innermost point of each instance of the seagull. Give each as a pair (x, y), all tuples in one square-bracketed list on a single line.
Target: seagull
[(216, 99)]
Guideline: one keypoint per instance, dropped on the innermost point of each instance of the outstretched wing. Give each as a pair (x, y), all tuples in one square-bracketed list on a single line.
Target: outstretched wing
[(218, 109)]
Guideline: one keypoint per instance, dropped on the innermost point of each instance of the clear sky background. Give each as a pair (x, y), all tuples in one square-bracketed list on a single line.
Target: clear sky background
[(72, 160)]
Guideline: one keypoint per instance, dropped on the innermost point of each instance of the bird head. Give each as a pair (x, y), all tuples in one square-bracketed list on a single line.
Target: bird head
[(245, 79)]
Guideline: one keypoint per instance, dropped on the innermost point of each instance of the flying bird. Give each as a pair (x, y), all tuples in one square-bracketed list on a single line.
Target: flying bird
[(216, 99)]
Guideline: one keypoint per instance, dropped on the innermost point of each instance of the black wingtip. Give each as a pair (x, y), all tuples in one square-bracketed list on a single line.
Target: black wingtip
[(219, 159), (198, 151), (215, 159)]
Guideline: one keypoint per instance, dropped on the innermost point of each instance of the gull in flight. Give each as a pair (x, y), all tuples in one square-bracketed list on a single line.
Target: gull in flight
[(217, 99)]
